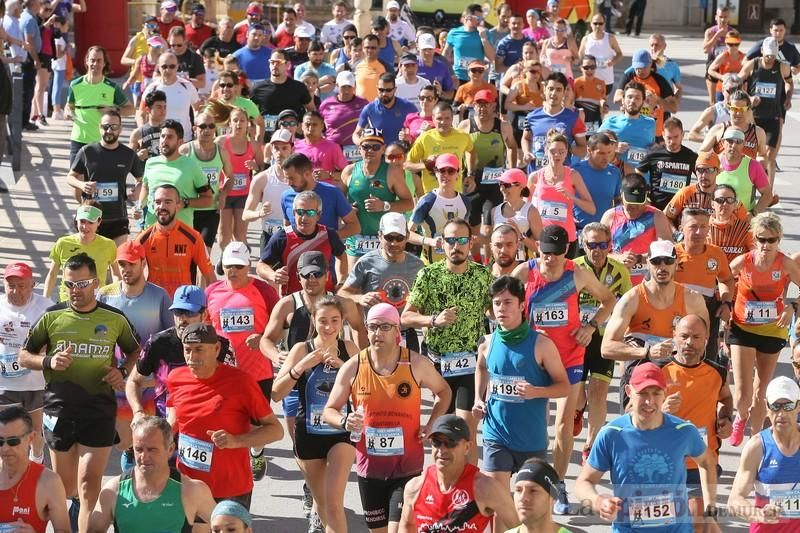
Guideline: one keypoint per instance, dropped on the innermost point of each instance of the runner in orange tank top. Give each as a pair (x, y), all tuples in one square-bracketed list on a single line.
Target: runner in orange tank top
[(727, 231), (641, 327), (760, 321), (740, 109), (29, 492), (384, 385)]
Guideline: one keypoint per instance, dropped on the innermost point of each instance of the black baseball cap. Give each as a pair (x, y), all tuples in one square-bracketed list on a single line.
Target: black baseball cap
[(554, 240), (451, 426), (311, 262), (199, 333), (379, 22), (634, 194)]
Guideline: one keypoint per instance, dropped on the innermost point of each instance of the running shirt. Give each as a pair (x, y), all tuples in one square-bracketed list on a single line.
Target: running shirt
[(392, 280), (640, 134), (768, 85), (515, 423), (692, 196), (602, 51), (149, 139), (454, 510), (733, 238), (228, 401), (656, 84), (648, 472), (667, 173), (504, 213), (552, 308), (559, 58), (434, 210), (359, 189), (614, 275), (555, 207), (242, 176), (467, 47), (776, 484), (436, 289), (314, 387), (731, 64), (183, 173), (490, 152), (745, 179), (19, 502), (390, 447), (87, 101), (633, 235), (702, 272), (751, 146), (102, 249), (324, 154), (432, 143), (589, 96), (286, 246), (759, 297), (16, 322), (148, 312), (604, 186), (653, 325), (79, 391), (539, 122), (181, 96), (212, 170), (274, 187), (164, 514)]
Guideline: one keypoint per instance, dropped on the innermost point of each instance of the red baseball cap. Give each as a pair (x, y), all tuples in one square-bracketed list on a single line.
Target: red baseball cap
[(484, 95), (19, 270), (130, 251), (254, 8), (447, 161), (647, 375), (513, 175)]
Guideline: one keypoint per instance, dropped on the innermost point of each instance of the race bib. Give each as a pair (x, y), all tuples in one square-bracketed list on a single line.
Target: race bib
[(636, 155), (522, 122), (591, 128), (550, 315), (240, 181), (558, 68), (8, 528), (503, 388), (671, 183), (587, 312), (316, 425), (651, 511), (458, 363), (538, 145), (270, 122), (195, 453), (49, 421), (639, 270), (760, 312), (365, 243), (212, 175), (703, 433), (106, 192), (384, 442), (464, 62), (788, 501), (272, 225), (490, 175), (9, 363), (351, 153), (237, 319), (766, 90), (554, 211)]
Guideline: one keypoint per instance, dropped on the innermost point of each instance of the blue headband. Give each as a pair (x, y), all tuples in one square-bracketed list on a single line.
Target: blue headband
[(232, 508)]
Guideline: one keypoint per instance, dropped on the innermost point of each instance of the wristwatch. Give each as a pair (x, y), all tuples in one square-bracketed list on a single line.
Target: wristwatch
[(593, 323), (123, 371), (387, 206), (185, 203)]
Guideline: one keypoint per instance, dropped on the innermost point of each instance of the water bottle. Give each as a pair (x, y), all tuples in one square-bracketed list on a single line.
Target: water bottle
[(355, 436)]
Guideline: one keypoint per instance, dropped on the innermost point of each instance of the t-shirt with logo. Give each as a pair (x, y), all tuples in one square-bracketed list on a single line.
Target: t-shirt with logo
[(667, 173), (184, 173), (639, 133), (15, 322), (392, 280), (109, 168), (389, 120), (87, 101), (102, 249)]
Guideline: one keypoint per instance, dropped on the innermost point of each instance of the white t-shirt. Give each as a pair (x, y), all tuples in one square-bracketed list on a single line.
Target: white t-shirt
[(402, 30), (61, 62), (11, 26), (14, 325), (410, 92), (332, 31), (180, 97)]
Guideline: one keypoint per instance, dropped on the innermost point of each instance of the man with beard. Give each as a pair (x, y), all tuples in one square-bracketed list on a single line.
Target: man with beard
[(659, 98), (181, 172), (253, 58), (173, 248), (603, 179), (504, 245), (316, 64), (225, 41), (668, 168), (279, 93), (74, 344), (535, 489), (635, 132), (386, 113), (100, 170)]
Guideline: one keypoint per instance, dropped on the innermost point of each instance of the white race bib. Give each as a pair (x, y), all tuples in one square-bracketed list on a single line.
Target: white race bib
[(651, 511), (766, 90), (316, 425), (8, 528), (384, 442), (788, 501), (522, 122), (636, 155), (558, 67), (490, 175), (504, 388), (671, 183), (270, 122), (49, 421), (550, 315), (639, 270), (9, 364), (106, 192), (365, 243), (760, 312), (272, 225), (195, 453), (554, 211), (458, 363), (587, 313), (464, 62), (239, 181), (237, 319), (351, 153)]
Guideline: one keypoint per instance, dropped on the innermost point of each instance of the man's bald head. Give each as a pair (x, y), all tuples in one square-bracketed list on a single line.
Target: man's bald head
[(692, 321), (691, 337)]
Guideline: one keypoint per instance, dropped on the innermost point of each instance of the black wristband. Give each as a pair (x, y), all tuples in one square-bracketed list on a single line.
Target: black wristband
[(292, 375), (47, 362)]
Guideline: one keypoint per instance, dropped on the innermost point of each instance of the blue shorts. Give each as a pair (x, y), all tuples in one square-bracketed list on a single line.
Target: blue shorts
[(498, 458), (574, 374), (290, 403)]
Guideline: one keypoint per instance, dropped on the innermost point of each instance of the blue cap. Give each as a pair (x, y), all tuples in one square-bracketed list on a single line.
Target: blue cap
[(189, 298), (641, 59), (235, 509)]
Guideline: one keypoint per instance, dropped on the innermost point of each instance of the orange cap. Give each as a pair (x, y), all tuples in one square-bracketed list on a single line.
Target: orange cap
[(707, 159)]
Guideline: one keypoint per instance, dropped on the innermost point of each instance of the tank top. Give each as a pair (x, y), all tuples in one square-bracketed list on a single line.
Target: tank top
[(387, 53), (148, 69), (149, 139), (553, 310), (654, 325), (721, 115), (301, 326), (759, 297), (767, 84), (296, 245), (602, 51), (719, 44), (454, 510), (506, 412), (490, 151), (389, 448), (359, 189), (739, 179), (729, 64), (314, 387), (559, 58), (525, 95), (212, 169), (777, 483), (272, 193), (241, 174), (614, 275), (19, 502), (165, 513), (652, 85), (554, 207), (732, 237), (633, 235), (750, 140)]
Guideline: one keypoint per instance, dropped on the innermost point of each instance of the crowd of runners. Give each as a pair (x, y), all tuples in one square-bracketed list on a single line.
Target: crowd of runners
[(488, 218)]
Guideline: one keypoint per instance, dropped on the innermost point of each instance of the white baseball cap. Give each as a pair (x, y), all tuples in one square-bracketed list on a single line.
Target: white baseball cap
[(782, 388), (769, 47), (345, 78), (393, 223), (426, 41), (392, 4), (169, 5), (303, 33), (661, 248), (282, 135), (236, 253)]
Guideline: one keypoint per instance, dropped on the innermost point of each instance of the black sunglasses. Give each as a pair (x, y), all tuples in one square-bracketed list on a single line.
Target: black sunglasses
[(657, 261), (384, 90), (184, 312), (206, 126), (394, 237), (315, 275), (15, 441), (227, 85), (596, 245), (770, 240), (449, 444)]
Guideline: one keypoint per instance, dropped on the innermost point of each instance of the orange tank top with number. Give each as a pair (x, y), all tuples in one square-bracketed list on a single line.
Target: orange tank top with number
[(389, 447), (654, 325), (759, 297)]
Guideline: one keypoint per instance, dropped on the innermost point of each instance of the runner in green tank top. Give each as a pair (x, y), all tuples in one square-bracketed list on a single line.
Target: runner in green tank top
[(373, 187), (137, 503)]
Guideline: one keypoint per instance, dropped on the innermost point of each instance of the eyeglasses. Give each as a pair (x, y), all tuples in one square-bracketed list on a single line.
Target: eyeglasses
[(770, 240), (371, 147), (394, 157), (315, 275), (16, 441), (705, 170), (452, 241), (509, 185), (596, 245), (227, 85), (427, 98), (447, 170), (739, 108), (385, 90), (235, 267), (657, 261), (477, 70), (206, 126), (785, 406), (732, 44), (277, 61), (306, 212), (447, 443), (721, 200), (559, 30), (169, 66), (112, 127), (80, 284), (589, 67), (394, 237), (385, 327), (184, 313), (287, 123)]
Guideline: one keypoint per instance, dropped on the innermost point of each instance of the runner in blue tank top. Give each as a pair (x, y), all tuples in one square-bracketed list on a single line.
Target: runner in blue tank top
[(770, 465), (518, 371)]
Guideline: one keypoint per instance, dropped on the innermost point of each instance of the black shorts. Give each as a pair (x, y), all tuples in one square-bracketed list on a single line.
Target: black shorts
[(593, 362), (609, 88), (772, 127), (462, 387), (764, 344), (235, 202), (30, 400), (206, 223), (308, 446), (47, 62), (62, 433), (382, 500), (482, 201), (111, 229), (693, 487)]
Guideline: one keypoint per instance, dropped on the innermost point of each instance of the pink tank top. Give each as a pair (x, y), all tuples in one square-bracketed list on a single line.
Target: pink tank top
[(560, 59), (148, 69), (241, 174), (553, 206)]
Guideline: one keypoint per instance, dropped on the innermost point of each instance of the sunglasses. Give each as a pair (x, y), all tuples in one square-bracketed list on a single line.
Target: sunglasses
[(477, 70), (277, 61), (447, 443), (658, 261), (315, 275), (394, 237), (306, 212), (371, 147), (81, 284), (287, 123), (169, 66), (447, 170), (452, 241), (227, 85), (589, 67), (705, 170), (16, 441), (722, 200), (384, 90), (177, 45), (235, 267), (509, 185), (534, 71), (770, 240), (385, 327), (596, 245), (598, 23), (184, 313), (112, 127), (206, 126), (733, 141), (785, 406), (738, 108), (393, 158)]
